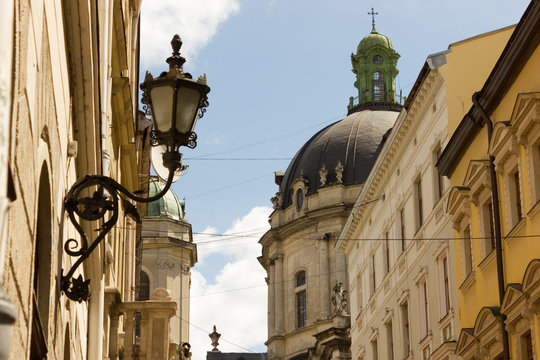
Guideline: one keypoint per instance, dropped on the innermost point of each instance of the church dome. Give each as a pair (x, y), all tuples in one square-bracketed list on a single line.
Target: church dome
[(374, 39), (168, 206), (354, 142)]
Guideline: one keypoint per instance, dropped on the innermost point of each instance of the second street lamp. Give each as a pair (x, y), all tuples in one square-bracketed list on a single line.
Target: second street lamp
[(175, 101)]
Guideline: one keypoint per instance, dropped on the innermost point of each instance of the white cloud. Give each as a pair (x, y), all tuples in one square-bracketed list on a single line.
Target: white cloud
[(195, 21), (236, 300)]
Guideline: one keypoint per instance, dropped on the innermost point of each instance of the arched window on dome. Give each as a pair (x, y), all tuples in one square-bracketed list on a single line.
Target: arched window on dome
[(378, 86)]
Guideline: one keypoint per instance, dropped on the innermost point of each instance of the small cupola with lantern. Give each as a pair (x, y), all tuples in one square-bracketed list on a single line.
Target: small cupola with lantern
[(375, 67)]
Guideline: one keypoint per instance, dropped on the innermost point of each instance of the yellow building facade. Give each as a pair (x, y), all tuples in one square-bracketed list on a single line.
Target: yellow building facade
[(497, 248)]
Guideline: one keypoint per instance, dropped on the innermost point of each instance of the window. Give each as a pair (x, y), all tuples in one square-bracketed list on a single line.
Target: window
[(373, 279), (534, 173), (444, 284), (418, 203), (375, 349), (513, 199), (402, 229), (41, 289), (378, 86), (467, 252), (488, 226), (299, 199), (404, 309), (423, 303), (359, 292), (517, 190), (144, 287), (390, 340), (527, 346), (301, 299), (301, 309), (438, 176), (386, 253), (377, 60)]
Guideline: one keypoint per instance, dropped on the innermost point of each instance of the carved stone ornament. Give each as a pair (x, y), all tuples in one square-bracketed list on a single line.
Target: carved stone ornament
[(214, 336), (166, 264), (323, 173), (339, 299), (339, 172), (185, 269), (276, 200)]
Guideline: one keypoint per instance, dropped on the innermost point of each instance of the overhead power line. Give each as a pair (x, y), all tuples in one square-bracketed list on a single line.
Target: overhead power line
[(209, 332)]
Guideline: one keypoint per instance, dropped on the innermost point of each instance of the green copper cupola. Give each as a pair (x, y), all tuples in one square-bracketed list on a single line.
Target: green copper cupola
[(374, 65)]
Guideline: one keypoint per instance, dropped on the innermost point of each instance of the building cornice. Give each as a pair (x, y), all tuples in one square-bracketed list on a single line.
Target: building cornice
[(515, 55)]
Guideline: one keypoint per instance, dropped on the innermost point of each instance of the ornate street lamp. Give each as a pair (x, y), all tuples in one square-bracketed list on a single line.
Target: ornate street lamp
[(175, 101)]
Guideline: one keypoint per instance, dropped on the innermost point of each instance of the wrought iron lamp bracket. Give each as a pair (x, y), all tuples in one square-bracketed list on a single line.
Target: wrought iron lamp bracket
[(96, 207)]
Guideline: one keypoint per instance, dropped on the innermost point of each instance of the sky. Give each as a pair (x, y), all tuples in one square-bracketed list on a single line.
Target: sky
[(279, 70)]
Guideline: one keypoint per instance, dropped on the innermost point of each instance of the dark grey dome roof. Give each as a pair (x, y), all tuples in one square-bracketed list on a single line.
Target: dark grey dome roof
[(354, 141)]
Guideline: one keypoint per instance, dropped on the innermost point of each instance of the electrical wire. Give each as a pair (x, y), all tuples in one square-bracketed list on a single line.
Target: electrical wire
[(229, 237), (228, 186), (239, 159), (221, 338), (268, 140)]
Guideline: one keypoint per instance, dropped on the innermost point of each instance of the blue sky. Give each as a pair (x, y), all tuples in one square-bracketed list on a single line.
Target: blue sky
[(279, 71)]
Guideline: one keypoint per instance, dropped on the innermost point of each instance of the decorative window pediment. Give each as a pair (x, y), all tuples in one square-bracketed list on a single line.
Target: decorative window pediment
[(531, 279), (512, 303), (466, 344), (459, 205), (478, 178), (525, 115), (504, 145)]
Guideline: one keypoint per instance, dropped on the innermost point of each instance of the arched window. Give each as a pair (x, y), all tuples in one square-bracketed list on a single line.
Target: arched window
[(42, 269), (144, 287), (299, 199), (378, 86), (301, 299)]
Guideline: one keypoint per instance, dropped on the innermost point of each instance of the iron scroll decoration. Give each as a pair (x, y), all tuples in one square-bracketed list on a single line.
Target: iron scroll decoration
[(102, 205), (103, 201)]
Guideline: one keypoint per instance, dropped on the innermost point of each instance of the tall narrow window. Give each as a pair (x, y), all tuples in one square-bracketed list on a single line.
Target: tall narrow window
[(423, 302), (375, 349), (378, 86), (513, 198), (42, 271), (489, 228), (527, 346), (518, 196), (390, 340), (373, 275), (446, 285), (301, 299), (438, 177), (419, 204), (386, 253), (467, 252), (402, 229), (404, 308), (359, 292)]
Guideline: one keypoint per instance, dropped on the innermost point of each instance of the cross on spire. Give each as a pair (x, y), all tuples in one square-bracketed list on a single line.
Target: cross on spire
[(373, 13)]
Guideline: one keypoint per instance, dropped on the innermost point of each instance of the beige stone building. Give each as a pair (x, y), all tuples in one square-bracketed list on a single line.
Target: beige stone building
[(308, 314), (68, 102), (168, 254), (401, 297)]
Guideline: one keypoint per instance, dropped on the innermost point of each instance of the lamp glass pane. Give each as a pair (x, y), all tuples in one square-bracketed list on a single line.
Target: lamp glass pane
[(186, 109), (162, 99)]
